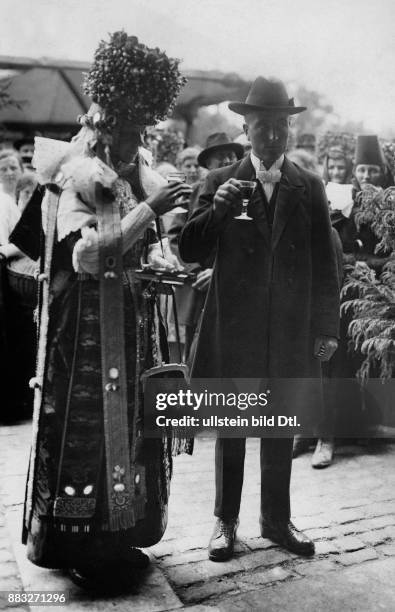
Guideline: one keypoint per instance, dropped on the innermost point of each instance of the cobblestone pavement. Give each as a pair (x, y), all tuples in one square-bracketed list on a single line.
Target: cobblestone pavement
[(348, 509)]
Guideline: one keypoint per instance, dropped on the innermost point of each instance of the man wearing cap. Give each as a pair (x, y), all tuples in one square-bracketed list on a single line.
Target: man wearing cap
[(273, 305)]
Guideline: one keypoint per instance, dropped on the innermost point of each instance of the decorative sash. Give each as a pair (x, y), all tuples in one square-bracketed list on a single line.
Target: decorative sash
[(120, 492)]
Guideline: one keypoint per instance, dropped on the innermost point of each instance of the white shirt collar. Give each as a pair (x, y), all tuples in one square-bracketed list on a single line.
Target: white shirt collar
[(256, 162)]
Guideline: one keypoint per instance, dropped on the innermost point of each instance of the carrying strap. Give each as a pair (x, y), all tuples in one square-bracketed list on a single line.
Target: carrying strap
[(172, 293), (114, 381)]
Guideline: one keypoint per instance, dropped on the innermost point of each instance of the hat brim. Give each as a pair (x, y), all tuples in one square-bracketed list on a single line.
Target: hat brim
[(242, 109), (233, 146)]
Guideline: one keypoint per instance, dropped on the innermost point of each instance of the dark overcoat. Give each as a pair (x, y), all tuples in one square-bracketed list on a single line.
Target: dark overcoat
[(275, 286)]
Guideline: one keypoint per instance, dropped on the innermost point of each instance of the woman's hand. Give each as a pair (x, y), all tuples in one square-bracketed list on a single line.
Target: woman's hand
[(86, 252), (166, 260), (165, 198)]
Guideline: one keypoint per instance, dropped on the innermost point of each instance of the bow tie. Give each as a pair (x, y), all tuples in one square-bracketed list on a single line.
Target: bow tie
[(268, 176)]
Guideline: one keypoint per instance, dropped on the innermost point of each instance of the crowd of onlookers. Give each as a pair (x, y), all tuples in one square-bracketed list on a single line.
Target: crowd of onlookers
[(346, 164)]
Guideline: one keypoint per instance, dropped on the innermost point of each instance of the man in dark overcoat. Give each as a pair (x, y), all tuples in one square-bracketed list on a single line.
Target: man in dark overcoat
[(272, 309)]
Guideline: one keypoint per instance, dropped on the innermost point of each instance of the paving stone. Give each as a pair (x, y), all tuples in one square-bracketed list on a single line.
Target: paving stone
[(390, 531), (349, 544), (356, 502), (182, 559), (202, 570), (337, 591), (356, 527), (314, 568), (387, 549), (373, 538), (10, 583), (6, 556), (203, 608), (379, 509), (260, 543), (346, 516), (312, 522), (264, 558), (325, 533), (264, 577), (382, 521), (325, 547), (7, 570), (214, 588), (359, 556)]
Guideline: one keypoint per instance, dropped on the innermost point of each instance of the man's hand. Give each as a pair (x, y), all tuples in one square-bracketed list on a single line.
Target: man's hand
[(165, 198), (226, 196), (203, 279), (324, 347)]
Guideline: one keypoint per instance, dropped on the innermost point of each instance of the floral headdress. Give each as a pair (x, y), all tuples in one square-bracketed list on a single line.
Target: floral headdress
[(337, 141), (131, 81)]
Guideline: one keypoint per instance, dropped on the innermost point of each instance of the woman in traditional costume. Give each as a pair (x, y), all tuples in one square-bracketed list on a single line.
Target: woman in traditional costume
[(97, 489)]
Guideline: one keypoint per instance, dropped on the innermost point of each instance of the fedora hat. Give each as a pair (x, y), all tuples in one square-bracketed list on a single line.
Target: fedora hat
[(217, 142), (266, 95)]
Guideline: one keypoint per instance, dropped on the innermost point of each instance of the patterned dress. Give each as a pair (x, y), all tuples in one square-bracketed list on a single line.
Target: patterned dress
[(66, 518)]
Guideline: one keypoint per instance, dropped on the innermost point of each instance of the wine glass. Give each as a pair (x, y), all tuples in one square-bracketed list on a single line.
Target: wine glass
[(178, 177), (247, 189)]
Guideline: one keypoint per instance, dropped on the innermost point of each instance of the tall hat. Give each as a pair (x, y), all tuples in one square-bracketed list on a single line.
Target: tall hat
[(219, 141), (131, 81), (267, 95), (368, 151)]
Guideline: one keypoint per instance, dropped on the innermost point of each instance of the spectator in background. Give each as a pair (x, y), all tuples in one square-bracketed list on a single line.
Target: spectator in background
[(370, 165), (243, 140), (307, 142), (304, 159), (165, 168), (19, 290), (11, 169), (187, 162), (337, 166), (25, 148), (220, 152)]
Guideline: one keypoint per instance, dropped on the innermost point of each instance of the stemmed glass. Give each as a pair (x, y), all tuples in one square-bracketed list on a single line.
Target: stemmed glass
[(247, 188)]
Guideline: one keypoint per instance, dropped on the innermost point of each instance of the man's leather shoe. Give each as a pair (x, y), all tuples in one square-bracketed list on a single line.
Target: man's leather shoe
[(222, 541), (286, 534)]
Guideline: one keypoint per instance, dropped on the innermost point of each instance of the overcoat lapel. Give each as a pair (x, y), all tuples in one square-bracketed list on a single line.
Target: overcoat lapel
[(246, 172), (288, 197)]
